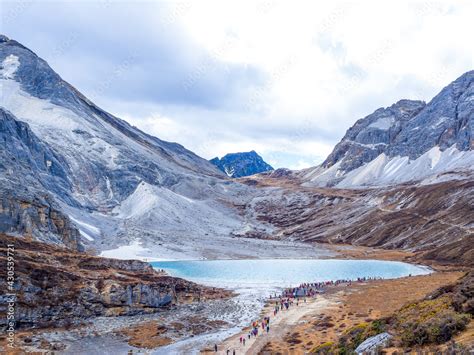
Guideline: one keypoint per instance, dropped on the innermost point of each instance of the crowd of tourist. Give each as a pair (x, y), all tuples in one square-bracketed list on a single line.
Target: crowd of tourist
[(289, 297)]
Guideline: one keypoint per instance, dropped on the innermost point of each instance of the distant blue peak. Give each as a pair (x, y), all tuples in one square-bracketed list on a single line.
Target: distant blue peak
[(241, 164)]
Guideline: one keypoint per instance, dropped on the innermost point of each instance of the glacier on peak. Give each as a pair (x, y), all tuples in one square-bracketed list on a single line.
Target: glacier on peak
[(9, 66)]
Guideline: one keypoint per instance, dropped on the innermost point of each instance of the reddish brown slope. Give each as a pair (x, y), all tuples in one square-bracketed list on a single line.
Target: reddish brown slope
[(436, 221)]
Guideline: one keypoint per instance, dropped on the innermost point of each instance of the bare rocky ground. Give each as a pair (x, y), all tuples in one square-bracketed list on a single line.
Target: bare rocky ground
[(105, 335), (435, 221), (83, 296)]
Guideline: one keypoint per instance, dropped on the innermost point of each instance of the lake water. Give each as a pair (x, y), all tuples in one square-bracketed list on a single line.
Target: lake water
[(254, 280), (283, 272)]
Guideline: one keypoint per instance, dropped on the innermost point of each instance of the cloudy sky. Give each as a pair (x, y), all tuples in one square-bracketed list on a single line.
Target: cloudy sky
[(285, 78)]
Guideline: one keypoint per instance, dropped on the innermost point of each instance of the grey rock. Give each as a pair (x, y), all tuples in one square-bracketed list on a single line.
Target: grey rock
[(30, 170), (241, 164), (374, 344), (25, 158), (411, 128)]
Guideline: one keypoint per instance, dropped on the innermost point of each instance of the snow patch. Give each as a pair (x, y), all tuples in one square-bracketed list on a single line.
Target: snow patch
[(366, 145), (440, 121), (383, 123), (37, 112), (134, 251), (399, 169), (109, 188), (229, 172), (85, 229), (85, 235), (371, 171), (9, 67), (85, 225), (435, 155), (325, 175)]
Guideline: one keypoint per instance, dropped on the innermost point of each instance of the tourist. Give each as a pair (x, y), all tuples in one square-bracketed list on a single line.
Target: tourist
[(215, 348), (244, 341)]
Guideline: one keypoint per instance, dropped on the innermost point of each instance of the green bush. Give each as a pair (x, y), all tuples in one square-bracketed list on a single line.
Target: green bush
[(325, 348), (429, 322)]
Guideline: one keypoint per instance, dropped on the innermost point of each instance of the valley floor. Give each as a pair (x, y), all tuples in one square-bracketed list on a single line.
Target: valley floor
[(220, 248), (343, 307), (197, 327)]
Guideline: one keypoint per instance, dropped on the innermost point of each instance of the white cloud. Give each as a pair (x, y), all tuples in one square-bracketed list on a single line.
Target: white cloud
[(334, 62)]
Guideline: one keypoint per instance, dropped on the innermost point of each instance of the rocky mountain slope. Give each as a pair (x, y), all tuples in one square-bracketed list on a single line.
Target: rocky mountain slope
[(408, 141), (401, 178), (29, 170), (99, 171), (241, 164), (435, 221)]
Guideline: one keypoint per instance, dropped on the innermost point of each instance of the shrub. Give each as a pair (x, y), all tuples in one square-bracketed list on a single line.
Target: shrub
[(354, 336), (326, 348), (429, 322)]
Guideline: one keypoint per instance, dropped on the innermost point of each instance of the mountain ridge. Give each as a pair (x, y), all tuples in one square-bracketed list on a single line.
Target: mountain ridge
[(241, 164), (407, 132), (95, 182), (102, 160)]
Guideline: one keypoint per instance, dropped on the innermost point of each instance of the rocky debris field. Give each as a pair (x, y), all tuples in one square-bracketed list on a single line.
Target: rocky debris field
[(58, 287), (142, 331), (433, 221)]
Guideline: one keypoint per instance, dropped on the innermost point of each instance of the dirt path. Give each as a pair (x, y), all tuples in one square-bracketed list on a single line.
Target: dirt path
[(356, 304), (280, 324)]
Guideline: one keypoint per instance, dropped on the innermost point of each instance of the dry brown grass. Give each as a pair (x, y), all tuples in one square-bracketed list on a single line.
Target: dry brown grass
[(148, 335), (358, 304)]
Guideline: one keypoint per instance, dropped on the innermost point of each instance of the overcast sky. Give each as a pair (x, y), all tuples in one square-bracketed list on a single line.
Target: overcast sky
[(284, 78)]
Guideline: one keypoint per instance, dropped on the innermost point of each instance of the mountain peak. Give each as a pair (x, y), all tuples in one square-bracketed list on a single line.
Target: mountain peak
[(241, 164), (408, 103), (3, 38), (406, 130)]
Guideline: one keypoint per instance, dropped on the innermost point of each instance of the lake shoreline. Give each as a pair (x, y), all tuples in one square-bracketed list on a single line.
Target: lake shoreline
[(282, 328), (326, 316), (288, 272), (121, 337)]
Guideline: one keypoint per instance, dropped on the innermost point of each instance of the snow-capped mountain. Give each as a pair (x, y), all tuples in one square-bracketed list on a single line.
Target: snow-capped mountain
[(408, 141), (100, 171), (105, 153), (241, 164)]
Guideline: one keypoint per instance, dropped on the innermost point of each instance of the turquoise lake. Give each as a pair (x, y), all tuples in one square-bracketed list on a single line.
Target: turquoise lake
[(254, 280), (284, 272)]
